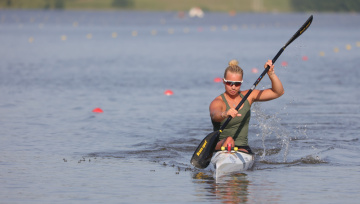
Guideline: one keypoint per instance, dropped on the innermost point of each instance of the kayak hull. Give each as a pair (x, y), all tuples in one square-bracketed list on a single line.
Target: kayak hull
[(224, 162)]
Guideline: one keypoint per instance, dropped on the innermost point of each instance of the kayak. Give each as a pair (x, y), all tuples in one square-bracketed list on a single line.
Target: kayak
[(227, 162)]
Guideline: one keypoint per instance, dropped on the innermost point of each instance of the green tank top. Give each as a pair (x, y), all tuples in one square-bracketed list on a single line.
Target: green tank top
[(238, 127)]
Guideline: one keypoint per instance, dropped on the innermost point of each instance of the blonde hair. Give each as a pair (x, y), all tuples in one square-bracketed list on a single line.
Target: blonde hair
[(234, 68)]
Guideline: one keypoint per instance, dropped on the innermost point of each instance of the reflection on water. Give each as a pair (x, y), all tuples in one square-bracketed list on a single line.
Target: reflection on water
[(233, 189), (228, 189)]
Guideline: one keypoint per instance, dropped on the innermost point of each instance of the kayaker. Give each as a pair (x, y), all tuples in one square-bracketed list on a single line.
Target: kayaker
[(236, 132)]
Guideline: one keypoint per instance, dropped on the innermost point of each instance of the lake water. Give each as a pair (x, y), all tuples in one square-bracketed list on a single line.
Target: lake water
[(57, 66)]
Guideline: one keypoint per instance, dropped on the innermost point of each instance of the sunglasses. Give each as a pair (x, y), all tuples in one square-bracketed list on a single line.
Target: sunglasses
[(230, 83)]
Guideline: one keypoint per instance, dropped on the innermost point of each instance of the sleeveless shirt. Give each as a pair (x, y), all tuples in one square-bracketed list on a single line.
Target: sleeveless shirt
[(238, 127)]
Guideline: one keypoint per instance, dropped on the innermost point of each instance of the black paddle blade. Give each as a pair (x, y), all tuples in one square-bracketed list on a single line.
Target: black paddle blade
[(202, 156), (301, 30)]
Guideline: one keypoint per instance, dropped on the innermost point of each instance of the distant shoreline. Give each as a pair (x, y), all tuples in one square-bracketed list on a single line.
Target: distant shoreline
[(227, 6), (154, 5)]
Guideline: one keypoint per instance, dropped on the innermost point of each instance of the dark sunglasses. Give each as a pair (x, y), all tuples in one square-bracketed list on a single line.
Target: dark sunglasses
[(230, 83)]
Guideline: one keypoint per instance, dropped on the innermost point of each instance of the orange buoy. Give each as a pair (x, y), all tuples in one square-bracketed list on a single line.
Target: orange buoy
[(232, 13), (97, 110), (305, 58), (181, 14), (348, 47), (218, 80), (254, 70), (168, 92)]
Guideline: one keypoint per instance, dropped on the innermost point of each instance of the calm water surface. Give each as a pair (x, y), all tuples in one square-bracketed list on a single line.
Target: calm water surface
[(56, 67)]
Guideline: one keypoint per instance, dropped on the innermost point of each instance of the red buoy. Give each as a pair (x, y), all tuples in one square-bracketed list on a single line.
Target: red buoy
[(218, 80), (284, 64), (254, 70), (305, 58), (97, 110), (168, 92)]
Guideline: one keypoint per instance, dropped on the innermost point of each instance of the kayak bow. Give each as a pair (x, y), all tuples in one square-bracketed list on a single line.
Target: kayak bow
[(228, 162)]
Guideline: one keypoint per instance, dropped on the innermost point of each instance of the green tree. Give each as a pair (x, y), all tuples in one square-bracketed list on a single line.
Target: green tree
[(54, 4), (47, 4), (123, 3), (59, 4), (326, 5)]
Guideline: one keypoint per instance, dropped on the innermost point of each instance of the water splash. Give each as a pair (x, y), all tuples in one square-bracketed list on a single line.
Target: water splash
[(270, 125)]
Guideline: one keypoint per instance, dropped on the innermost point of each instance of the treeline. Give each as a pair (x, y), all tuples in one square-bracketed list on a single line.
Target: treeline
[(44, 4), (62, 4), (179, 5), (326, 5), (123, 3)]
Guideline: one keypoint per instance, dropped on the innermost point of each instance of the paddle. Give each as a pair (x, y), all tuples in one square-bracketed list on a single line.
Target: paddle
[(203, 153)]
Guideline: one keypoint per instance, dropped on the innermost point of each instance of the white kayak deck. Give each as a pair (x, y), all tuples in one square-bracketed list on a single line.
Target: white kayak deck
[(224, 162)]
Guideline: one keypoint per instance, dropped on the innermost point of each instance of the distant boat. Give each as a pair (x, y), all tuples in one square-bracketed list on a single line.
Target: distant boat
[(196, 12)]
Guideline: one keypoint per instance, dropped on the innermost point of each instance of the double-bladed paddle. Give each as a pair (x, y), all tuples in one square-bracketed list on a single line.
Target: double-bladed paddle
[(203, 153)]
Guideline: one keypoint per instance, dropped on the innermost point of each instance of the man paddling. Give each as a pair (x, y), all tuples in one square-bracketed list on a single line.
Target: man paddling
[(223, 106)]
